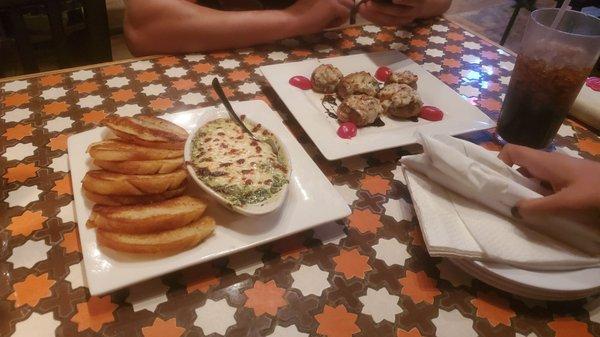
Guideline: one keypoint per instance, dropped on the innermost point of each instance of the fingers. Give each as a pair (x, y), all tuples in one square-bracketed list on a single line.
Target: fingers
[(371, 13), (347, 3), (388, 9), (409, 3)]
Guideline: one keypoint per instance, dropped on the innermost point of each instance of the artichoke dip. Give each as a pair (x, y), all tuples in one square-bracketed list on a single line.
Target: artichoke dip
[(234, 165)]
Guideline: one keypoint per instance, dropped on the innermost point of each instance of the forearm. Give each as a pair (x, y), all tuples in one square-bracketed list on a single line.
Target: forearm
[(181, 27)]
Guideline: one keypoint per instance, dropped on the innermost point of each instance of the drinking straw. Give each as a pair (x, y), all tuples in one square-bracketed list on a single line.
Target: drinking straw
[(561, 13)]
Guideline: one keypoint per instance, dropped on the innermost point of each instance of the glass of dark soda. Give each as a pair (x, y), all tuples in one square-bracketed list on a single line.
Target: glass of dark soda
[(550, 70)]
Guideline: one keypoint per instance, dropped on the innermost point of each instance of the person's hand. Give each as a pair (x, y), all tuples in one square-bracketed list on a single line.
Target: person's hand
[(575, 184), (396, 13), (312, 16)]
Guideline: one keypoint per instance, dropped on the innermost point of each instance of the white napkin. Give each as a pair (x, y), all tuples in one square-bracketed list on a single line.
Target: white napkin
[(463, 195)]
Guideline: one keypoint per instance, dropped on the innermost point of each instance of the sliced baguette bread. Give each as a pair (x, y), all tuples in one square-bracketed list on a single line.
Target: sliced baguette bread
[(109, 183), (139, 219), (115, 150), (147, 131), (141, 166), (170, 241), (122, 200)]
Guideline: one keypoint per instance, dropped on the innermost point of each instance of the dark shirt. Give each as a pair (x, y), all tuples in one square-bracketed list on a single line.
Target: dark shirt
[(245, 5)]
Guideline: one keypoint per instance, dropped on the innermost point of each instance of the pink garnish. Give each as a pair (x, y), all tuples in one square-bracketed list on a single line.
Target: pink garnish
[(383, 73), (347, 130), (301, 82), (593, 83), (431, 113)]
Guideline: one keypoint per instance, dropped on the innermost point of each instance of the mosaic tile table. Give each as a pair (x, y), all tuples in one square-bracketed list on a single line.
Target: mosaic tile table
[(368, 275)]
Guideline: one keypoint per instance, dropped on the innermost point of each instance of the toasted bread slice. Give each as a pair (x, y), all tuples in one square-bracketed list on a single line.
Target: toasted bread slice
[(147, 131), (122, 200), (139, 219), (115, 150), (160, 242), (104, 182), (141, 166)]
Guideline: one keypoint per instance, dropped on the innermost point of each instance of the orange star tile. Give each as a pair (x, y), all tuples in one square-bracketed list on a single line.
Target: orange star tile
[(346, 44), (168, 61), (254, 60), (451, 63), (417, 236), (31, 290), (184, 84), (26, 223), (423, 31), (123, 95), (59, 142), (337, 322), (21, 172), (455, 36), (161, 104), (301, 52), (238, 75), (495, 87), (93, 117), (375, 184), (200, 278), (94, 313), (452, 48), (419, 287), (51, 80), (491, 104), (418, 43), (416, 56), (160, 328), (365, 221), (449, 78), (221, 54), (228, 92), (265, 298), (113, 70), (589, 145), (203, 68), (70, 241), (490, 55), (18, 132), (55, 108), (414, 332), (352, 31), (63, 185), (86, 87), (351, 263), (384, 37), (17, 99), (569, 327), (147, 76), (493, 308)]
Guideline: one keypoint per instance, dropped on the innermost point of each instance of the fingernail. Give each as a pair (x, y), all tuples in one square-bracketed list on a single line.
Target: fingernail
[(515, 212)]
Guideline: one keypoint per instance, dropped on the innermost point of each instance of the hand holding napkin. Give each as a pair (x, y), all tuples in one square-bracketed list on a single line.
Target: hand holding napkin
[(469, 215)]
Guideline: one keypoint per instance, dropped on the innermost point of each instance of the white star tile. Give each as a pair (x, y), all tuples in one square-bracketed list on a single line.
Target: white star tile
[(403, 34), (176, 72), (506, 65), (472, 45), (330, 233), (154, 89), (371, 29), (39, 325), (194, 57), (22, 196), (141, 65), (470, 74), (434, 52), (75, 276), (391, 251), (90, 101), (128, 110), (290, 331), (437, 39), (452, 324), (245, 51), (453, 274), (432, 67), (467, 33), (249, 88), (365, 40), (502, 97), (207, 80), (593, 307), (67, 213), (215, 317), (521, 335), (471, 59), (192, 98), (566, 130), (58, 124), (381, 305), (468, 91), (323, 48), (82, 75), (398, 46), (310, 280), (229, 64), (60, 164), (53, 93), (15, 86), (347, 193), (117, 82), (398, 174), (277, 56), (399, 210), (505, 80), (16, 115), (246, 262), (147, 295), (28, 254), (439, 28), (568, 151), (19, 152)]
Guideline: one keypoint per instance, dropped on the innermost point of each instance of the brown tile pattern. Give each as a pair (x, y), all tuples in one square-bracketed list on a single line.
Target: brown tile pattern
[(368, 275)]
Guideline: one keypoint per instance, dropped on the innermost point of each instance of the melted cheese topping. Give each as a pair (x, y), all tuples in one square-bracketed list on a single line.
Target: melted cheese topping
[(239, 168)]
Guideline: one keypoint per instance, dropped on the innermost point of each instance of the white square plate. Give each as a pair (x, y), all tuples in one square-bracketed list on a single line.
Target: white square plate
[(459, 116), (311, 201)]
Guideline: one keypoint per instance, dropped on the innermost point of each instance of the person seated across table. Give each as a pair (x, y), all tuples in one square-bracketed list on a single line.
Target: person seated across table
[(184, 26)]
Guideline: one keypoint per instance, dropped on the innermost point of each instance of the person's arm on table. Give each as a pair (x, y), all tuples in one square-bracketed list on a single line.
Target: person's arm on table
[(402, 12), (180, 26)]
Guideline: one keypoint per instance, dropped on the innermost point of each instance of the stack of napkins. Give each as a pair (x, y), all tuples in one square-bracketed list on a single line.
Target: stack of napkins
[(463, 195)]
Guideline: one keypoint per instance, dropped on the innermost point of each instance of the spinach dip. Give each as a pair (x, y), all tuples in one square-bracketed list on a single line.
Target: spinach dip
[(239, 168)]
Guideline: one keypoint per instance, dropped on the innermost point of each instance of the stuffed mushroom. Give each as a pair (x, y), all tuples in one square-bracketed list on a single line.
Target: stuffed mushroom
[(403, 77), (357, 83), (325, 78), (400, 101), (361, 110)]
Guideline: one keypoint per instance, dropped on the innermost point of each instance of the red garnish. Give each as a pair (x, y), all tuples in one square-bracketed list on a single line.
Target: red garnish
[(593, 83), (301, 82), (347, 130), (431, 113), (383, 73)]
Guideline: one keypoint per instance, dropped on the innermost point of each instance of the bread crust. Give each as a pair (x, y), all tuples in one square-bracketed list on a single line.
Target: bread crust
[(109, 183), (147, 128), (116, 150), (123, 200), (158, 166)]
